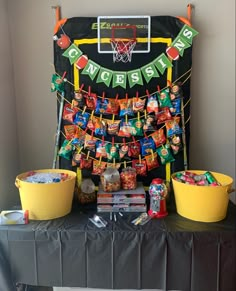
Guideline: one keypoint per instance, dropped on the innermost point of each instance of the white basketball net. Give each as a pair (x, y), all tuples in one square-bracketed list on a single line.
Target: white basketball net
[(122, 50)]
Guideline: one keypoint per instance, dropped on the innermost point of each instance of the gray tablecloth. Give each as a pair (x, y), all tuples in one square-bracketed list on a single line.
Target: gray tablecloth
[(170, 253)]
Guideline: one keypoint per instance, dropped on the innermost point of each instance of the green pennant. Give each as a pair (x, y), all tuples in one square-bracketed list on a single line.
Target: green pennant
[(149, 71), (91, 69), (180, 44), (188, 33), (73, 53), (162, 62), (135, 78), (104, 76), (119, 79)]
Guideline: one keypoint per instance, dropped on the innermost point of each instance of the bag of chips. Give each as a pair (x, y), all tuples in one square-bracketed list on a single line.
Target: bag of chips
[(165, 154), (159, 137), (151, 161), (175, 144), (91, 101), (101, 106), (79, 98), (66, 150), (140, 167), (150, 123), (126, 107), (164, 98), (152, 105), (147, 146), (81, 119), (176, 92), (136, 127), (98, 167), (101, 149), (172, 126), (69, 112), (163, 115), (112, 107), (113, 127), (138, 104)]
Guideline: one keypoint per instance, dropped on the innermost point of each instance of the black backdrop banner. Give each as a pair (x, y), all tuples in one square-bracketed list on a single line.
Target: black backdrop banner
[(164, 29)]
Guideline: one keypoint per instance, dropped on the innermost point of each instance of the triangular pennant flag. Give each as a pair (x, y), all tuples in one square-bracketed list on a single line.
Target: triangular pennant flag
[(91, 69), (149, 71), (73, 53), (162, 63), (135, 78), (119, 79), (104, 76), (188, 33), (180, 44)]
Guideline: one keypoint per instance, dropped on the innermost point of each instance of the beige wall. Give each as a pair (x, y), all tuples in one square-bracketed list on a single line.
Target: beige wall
[(213, 78), (8, 125)]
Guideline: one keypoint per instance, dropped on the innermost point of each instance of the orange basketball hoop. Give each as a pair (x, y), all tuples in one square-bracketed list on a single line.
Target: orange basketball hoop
[(123, 47)]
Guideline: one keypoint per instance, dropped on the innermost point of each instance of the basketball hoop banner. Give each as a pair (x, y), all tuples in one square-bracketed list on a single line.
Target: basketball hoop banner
[(119, 80)]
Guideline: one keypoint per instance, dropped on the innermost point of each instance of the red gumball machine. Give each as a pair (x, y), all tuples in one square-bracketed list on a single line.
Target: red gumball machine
[(158, 192)]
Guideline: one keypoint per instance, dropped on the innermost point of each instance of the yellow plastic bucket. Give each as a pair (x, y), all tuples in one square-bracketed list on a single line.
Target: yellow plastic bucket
[(46, 201), (203, 203)]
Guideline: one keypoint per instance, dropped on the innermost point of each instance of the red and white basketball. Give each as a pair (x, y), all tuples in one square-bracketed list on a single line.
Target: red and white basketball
[(172, 53), (81, 62)]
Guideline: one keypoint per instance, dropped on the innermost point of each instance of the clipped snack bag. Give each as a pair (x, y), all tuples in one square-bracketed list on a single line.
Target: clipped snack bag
[(69, 112), (123, 150), (71, 131), (85, 163), (90, 142), (76, 158), (147, 146), (172, 126), (91, 123), (125, 128), (152, 161), (165, 154), (66, 150), (91, 101), (138, 104), (176, 92), (98, 167), (164, 98), (112, 106), (112, 151), (101, 149), (159, 137), (136, 128), (163, 115), (152, 105), (175, 144), (149, 123), (126, 107), (81, 119), (100, 127), (101, 106), (113, 127), (140, 167), (176, 107), (79, 98), (134, 149)]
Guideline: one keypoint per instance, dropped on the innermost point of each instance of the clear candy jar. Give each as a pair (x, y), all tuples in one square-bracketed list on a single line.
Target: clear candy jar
[(128, 178), (110, 180)]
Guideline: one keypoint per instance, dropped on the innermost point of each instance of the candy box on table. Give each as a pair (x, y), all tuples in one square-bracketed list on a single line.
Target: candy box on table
[(203, 203)]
